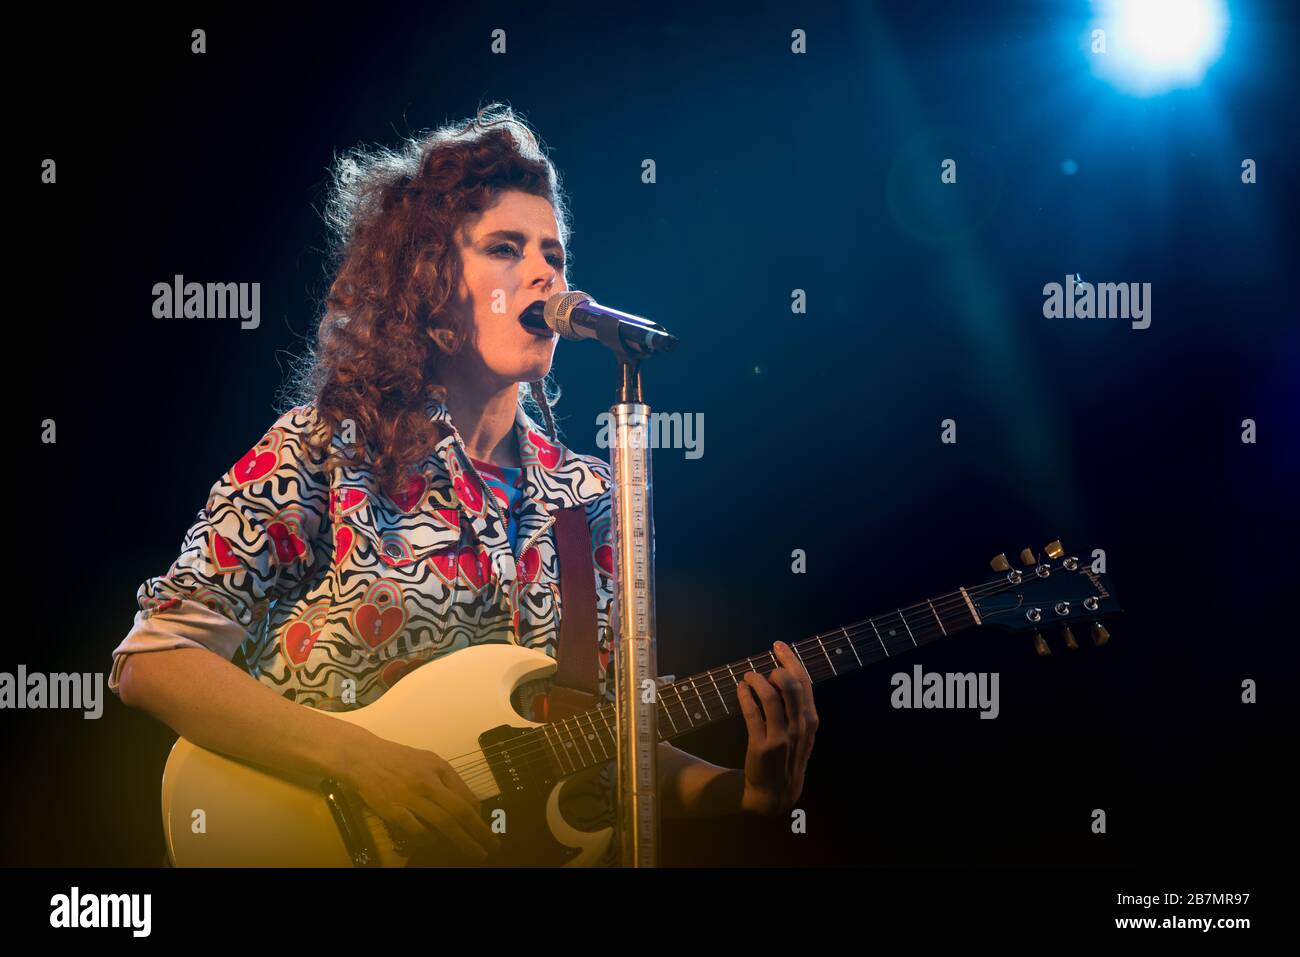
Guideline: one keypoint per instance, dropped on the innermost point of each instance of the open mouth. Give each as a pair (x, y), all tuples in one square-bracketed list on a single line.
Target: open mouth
[(533, 319)]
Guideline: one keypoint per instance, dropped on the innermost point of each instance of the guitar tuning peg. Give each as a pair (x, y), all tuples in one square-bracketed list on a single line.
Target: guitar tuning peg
[(1000, 563), (1068, 635), (1054, 550), (1027, 557), (1040, 644), (1099, 634)]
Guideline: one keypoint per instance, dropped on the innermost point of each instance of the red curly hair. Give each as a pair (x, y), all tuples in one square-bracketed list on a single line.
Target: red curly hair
[(388, 326)]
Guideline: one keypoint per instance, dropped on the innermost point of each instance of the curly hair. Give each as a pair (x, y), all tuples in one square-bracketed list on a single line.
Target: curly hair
[(387, 325)]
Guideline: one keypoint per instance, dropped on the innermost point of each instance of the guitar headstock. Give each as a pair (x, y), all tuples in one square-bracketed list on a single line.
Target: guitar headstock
[(1051, 591)]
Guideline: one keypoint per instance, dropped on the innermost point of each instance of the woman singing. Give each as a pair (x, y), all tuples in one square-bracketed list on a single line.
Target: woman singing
[(402, 511)]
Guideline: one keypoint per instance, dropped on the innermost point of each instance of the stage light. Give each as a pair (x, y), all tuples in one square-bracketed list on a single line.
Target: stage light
[(1152, 46)]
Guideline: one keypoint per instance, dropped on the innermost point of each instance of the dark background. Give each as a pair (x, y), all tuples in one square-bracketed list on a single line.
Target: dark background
[(775, 172)]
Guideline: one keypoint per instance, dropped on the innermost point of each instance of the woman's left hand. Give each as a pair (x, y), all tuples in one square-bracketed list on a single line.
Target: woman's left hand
[(780, 735)]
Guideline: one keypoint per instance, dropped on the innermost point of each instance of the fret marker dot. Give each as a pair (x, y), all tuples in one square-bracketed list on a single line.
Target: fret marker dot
[(697, 714), (892, 632)]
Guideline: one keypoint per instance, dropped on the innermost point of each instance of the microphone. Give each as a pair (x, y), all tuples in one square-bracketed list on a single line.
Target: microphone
[(575, 315)]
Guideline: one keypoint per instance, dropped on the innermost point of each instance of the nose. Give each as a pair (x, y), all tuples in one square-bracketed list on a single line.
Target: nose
[(547, 276)]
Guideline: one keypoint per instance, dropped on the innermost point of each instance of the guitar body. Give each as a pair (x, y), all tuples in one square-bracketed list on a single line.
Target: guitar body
[(453, 706)]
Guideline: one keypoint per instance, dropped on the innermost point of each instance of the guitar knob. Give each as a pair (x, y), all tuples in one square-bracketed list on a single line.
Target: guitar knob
[(1054, 550), (1027, 557), (1040, 644), (1068, 635), (1000, 563), (1099, 634)]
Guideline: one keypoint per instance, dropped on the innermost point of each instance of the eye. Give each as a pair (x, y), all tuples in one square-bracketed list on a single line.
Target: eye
[(556, 261)]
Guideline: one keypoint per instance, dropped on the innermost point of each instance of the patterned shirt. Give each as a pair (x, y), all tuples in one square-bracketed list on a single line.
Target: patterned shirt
[(334, 590), (507, 485)]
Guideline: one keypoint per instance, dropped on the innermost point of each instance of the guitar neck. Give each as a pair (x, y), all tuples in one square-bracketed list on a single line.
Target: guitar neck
[(692, 703), (702, 699)]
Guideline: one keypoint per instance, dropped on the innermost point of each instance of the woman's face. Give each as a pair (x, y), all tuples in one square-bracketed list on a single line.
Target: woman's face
[(511, 257)]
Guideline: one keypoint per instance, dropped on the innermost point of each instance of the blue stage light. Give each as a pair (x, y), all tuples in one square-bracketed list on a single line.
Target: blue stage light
[(1152, 46)]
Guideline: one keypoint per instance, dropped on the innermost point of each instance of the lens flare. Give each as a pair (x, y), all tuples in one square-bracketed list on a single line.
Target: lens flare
[(1153, 46)]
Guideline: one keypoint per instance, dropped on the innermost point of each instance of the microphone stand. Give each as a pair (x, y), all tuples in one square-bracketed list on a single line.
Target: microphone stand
[(635, 668), (574, 315)]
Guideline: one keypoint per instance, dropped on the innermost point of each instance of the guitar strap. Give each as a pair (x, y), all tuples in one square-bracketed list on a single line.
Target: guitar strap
[(575, 687)]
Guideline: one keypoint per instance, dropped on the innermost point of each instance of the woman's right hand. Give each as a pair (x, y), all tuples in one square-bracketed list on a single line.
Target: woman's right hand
[(419, 793)]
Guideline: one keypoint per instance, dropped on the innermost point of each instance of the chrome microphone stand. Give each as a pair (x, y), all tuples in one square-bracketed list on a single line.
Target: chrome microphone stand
[(635, 669), (574, 315)]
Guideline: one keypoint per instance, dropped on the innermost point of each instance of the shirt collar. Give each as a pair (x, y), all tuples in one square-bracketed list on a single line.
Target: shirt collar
[(554, 475)]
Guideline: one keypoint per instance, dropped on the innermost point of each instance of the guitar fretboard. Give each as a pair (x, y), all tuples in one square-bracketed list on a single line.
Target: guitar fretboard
[(589, 739)]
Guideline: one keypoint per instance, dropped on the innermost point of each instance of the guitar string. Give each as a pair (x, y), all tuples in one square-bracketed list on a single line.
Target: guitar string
[(838, 635), (541, 750), (478, 770), (539, 741)]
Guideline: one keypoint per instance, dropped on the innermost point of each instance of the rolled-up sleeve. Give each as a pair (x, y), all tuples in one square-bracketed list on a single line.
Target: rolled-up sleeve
[(185, 624), (253, 541)]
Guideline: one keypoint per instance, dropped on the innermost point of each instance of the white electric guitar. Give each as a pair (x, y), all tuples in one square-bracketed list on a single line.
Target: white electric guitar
[(459, 707)]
